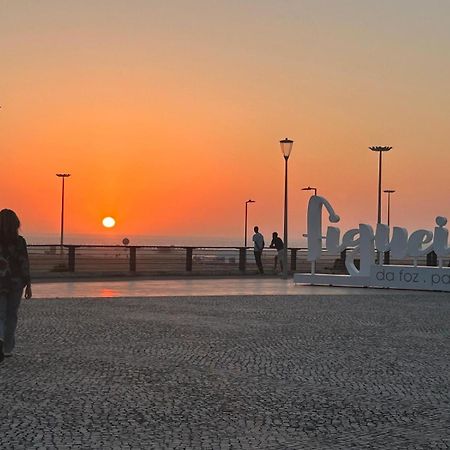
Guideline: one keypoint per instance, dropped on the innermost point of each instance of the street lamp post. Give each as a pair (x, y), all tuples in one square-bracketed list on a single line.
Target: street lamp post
[(389, 192), (309, 188), (380, 150), (286, 148), (387, 255), (246, 214), (63, 176)]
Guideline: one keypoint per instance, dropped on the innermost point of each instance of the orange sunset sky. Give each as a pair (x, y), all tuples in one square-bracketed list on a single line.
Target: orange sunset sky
[(168, 114)]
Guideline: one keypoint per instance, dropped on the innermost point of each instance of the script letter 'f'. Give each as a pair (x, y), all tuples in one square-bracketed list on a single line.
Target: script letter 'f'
[(315, 225)]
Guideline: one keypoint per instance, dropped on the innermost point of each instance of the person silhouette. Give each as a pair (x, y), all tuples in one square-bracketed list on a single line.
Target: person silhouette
[(277, 243), (14, 277), (258, 246)]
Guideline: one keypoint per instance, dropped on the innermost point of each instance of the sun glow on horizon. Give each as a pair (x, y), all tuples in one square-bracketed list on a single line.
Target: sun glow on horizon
[(168, 133), (108, 222)]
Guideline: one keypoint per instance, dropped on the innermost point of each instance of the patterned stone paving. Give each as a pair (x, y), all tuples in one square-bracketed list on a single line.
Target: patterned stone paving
[(269, 372)]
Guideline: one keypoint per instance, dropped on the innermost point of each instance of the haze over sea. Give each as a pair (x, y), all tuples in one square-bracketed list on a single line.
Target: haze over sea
[(115, 239)]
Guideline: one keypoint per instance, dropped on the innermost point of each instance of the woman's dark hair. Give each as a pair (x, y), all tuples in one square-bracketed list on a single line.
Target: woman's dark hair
[(9, 225)]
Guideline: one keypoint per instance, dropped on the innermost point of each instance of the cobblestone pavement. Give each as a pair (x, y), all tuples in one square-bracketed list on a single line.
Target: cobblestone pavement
[(271, 372)]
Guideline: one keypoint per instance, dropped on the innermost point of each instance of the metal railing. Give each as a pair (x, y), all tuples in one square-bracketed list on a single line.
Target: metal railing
[(54, 261)]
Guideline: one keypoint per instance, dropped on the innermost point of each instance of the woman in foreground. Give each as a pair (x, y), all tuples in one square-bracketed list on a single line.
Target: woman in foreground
[(14, 277)]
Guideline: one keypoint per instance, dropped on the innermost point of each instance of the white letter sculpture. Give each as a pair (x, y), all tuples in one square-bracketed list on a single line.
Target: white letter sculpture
[(362, 241)]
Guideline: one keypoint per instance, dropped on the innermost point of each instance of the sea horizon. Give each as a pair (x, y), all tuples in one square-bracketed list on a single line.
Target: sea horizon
[(173, 240)]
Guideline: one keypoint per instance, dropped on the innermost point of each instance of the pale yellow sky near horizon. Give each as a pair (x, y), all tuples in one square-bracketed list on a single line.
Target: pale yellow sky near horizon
[(168, 114)]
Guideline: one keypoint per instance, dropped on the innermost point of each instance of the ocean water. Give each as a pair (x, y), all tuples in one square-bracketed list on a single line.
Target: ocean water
[(115, 239)]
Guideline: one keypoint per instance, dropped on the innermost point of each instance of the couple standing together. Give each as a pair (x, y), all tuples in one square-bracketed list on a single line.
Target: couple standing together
[(258, 244)]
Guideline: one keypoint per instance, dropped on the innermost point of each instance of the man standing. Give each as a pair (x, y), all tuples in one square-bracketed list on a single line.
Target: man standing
[(258, 242), (278, 244)]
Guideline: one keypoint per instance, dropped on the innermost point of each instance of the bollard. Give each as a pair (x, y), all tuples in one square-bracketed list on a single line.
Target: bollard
[(71, 258), (189, 251), (242, 258), (293, 259), (132, 259)]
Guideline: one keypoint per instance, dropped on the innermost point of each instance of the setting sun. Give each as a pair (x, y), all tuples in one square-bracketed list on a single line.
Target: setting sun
[(109, 222)]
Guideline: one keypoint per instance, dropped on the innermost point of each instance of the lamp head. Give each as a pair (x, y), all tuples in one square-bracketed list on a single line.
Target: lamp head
[(380, 148), (286, 147)]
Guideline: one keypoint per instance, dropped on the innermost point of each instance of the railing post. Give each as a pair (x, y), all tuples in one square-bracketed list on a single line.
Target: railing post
[(242, 259), (189, 251), (293, 259), (133, 259), (71, 258), (432, 259)]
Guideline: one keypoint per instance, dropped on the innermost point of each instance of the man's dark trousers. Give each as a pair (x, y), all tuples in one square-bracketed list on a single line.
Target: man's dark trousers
[(258, 254)]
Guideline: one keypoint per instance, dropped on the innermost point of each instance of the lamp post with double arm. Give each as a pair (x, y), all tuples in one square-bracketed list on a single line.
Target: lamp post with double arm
[(380, 149), (309, 188)]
